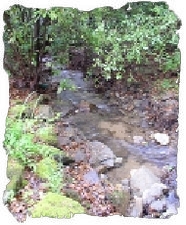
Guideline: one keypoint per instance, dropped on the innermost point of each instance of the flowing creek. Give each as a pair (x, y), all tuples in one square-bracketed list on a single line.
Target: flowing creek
[(106, 122)]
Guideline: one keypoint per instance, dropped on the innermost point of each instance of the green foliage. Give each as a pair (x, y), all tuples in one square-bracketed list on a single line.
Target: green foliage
[(23, 150), (8, 196), (56, 206), (66, 85), (167, 84), (172, 62), (120, 199), (19, 142), (147, 31), (48, 169), (145, 35)]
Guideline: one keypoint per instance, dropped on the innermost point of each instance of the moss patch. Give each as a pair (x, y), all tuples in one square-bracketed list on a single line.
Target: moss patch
[(47, 135), (56, 206), (15, 174), (46, 168)]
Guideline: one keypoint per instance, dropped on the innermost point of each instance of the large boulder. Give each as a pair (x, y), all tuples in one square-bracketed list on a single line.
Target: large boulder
[(100, 154), (44, 112), (142, 179)]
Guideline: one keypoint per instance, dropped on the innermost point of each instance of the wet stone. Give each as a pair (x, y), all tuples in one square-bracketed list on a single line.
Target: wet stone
[(91, 177)]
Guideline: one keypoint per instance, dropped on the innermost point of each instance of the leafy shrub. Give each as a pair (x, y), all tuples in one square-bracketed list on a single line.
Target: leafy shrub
[(19, 141), (145, 35)]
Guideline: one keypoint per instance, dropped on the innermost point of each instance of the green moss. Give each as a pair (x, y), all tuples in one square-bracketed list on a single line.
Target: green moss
[(14, 168), (46, 168), (56, 206), (16, 110), (47, 135), (47, 150), (15, 174)]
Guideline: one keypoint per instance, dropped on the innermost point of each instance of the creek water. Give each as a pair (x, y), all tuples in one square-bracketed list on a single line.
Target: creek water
[(106, 120)]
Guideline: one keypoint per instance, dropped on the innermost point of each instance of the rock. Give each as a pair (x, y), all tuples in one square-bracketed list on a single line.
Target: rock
[(137, 209), (142, 179), (84, 106), (117, 94), (138, 139), (44, 112), (80, 156), (172, 199), (125, 183), (163, 113), (171, 210), (161, 138), (100, 154), (91, 177), (15, 173), (154, 192), (101, 169), (69, 134), (137, 103), (158, 205), (103, 177), (118, 162), (63, 141)]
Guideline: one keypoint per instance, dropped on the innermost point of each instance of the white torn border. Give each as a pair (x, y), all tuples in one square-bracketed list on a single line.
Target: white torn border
[(6, 217)]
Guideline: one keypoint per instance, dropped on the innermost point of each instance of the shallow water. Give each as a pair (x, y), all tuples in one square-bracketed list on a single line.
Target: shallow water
[(108, 123)]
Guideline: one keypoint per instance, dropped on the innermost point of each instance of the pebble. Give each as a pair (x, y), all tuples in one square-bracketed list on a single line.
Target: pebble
[(137, 139), (91, 177), (118, 161), (162, 139)]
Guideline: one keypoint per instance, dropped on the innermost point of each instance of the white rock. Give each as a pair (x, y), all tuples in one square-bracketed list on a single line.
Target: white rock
[(147, 197), (118, 161), (158, 205), (100, 154), (137, 209), (161, 138), (142, 179), (137, 139), (171, 210), (153, 192)]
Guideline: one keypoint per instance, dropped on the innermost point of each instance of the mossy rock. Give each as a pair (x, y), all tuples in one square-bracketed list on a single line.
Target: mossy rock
[(46, 168), (47, 135), (48, 150), (15, 174), (56, 206), (44, 112), (16, 110), (14, 168)]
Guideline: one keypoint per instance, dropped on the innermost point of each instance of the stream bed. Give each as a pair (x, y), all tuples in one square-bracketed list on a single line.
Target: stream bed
[(109, 121)]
